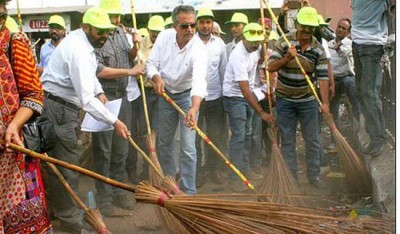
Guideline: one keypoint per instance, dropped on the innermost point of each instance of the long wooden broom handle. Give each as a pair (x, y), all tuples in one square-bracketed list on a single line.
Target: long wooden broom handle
[(210, 143), (269, 88), (147, 158), (73, 167), (296, 58), (137, 46), (67, 186)]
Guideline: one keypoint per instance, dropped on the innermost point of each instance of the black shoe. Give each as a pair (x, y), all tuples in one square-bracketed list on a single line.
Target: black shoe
[(106, 209), (72, 228), (124, 201), (375, 149), (201, 179), (318, 183)]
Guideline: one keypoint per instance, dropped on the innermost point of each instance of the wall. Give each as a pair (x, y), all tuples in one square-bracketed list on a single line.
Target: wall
[(336, 9)]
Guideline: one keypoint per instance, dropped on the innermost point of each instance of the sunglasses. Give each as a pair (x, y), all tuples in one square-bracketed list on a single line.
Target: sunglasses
[(55, 26), (102, 31), (186, 26), (254, 32), (3, 15)]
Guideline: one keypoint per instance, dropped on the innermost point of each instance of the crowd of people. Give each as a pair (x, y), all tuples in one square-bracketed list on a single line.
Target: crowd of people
[(221, 87)]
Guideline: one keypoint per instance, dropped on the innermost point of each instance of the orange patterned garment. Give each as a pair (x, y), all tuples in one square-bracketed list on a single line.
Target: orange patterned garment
[(22, 201)]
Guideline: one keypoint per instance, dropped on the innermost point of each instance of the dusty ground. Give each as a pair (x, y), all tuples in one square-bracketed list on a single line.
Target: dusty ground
[(143, 218)]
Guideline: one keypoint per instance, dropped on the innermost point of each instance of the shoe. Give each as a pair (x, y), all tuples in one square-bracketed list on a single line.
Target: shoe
[(251, 175), (201, 179), (106, 209), (124, 201), (258, 170), (76, 228), (237, 186), (217, 177), (375, 150), (318, 183)]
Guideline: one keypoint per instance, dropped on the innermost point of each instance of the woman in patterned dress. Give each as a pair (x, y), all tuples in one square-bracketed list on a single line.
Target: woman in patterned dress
[(22, 203)]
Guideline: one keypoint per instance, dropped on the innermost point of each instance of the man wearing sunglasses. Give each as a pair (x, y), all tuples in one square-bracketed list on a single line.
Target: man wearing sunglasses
[(115, 61), (240, 103), (178, 65), (294, 98), (70, 83), (211, 109), (57, 33)]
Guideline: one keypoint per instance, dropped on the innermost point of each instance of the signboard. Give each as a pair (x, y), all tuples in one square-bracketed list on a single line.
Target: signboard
[(39, 23)]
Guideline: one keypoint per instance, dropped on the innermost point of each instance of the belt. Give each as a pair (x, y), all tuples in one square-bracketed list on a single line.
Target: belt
[(116, 94), (62, 101)]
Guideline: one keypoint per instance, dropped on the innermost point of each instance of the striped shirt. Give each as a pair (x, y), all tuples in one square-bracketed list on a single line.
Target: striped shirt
[(292, 84)]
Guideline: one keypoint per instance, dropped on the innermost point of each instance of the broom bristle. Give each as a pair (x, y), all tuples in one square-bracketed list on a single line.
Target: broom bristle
[(278, 182), (356, 172), (200, 214), (95, 219)]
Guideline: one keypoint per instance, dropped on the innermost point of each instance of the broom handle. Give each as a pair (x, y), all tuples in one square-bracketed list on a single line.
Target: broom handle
[(210, 143), (137, 46), (67, 186), (73, 167), (147, 158), (296, 58), (269, 88)]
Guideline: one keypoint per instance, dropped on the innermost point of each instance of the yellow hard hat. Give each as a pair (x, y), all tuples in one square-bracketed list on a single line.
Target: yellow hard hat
[(97, 17), (307, 16), (111, 6), (205, 12), (56, 19), (253, 32), (321, 20), (156, 23), (168, 21), (143, 32), (12, 25), (238, 18)]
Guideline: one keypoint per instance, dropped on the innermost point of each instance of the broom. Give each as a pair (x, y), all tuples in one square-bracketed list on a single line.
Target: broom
[(201, 214), (353, 166), (92, 216), (278, 178), (167, 219), (211, 144)]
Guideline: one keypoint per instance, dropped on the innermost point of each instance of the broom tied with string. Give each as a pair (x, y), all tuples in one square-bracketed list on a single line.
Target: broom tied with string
[(210, 214), (278, 179), (355, 169), (166, 218), (92, 216)]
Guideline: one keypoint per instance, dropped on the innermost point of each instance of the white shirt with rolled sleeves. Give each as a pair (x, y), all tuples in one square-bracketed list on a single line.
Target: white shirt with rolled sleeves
[(181, 69), (242, 66), (71, 75), (217, 60)]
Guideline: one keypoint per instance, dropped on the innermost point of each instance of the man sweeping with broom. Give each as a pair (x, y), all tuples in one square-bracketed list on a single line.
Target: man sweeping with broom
[(294, 98)]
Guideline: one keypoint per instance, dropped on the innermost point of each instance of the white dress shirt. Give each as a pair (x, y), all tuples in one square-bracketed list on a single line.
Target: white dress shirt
[(132, 89), (342, 59), (71, 75), (242, 66), (181, 69), (217, 60)]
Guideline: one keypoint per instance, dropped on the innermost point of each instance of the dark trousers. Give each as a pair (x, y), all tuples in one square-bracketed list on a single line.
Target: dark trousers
[(66, 123)]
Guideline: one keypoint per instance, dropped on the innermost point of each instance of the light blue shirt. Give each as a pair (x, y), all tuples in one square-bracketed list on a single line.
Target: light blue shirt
[(369, 25), (45, 54)]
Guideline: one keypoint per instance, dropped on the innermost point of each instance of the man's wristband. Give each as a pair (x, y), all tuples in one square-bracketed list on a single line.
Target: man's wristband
[(260, 112)]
